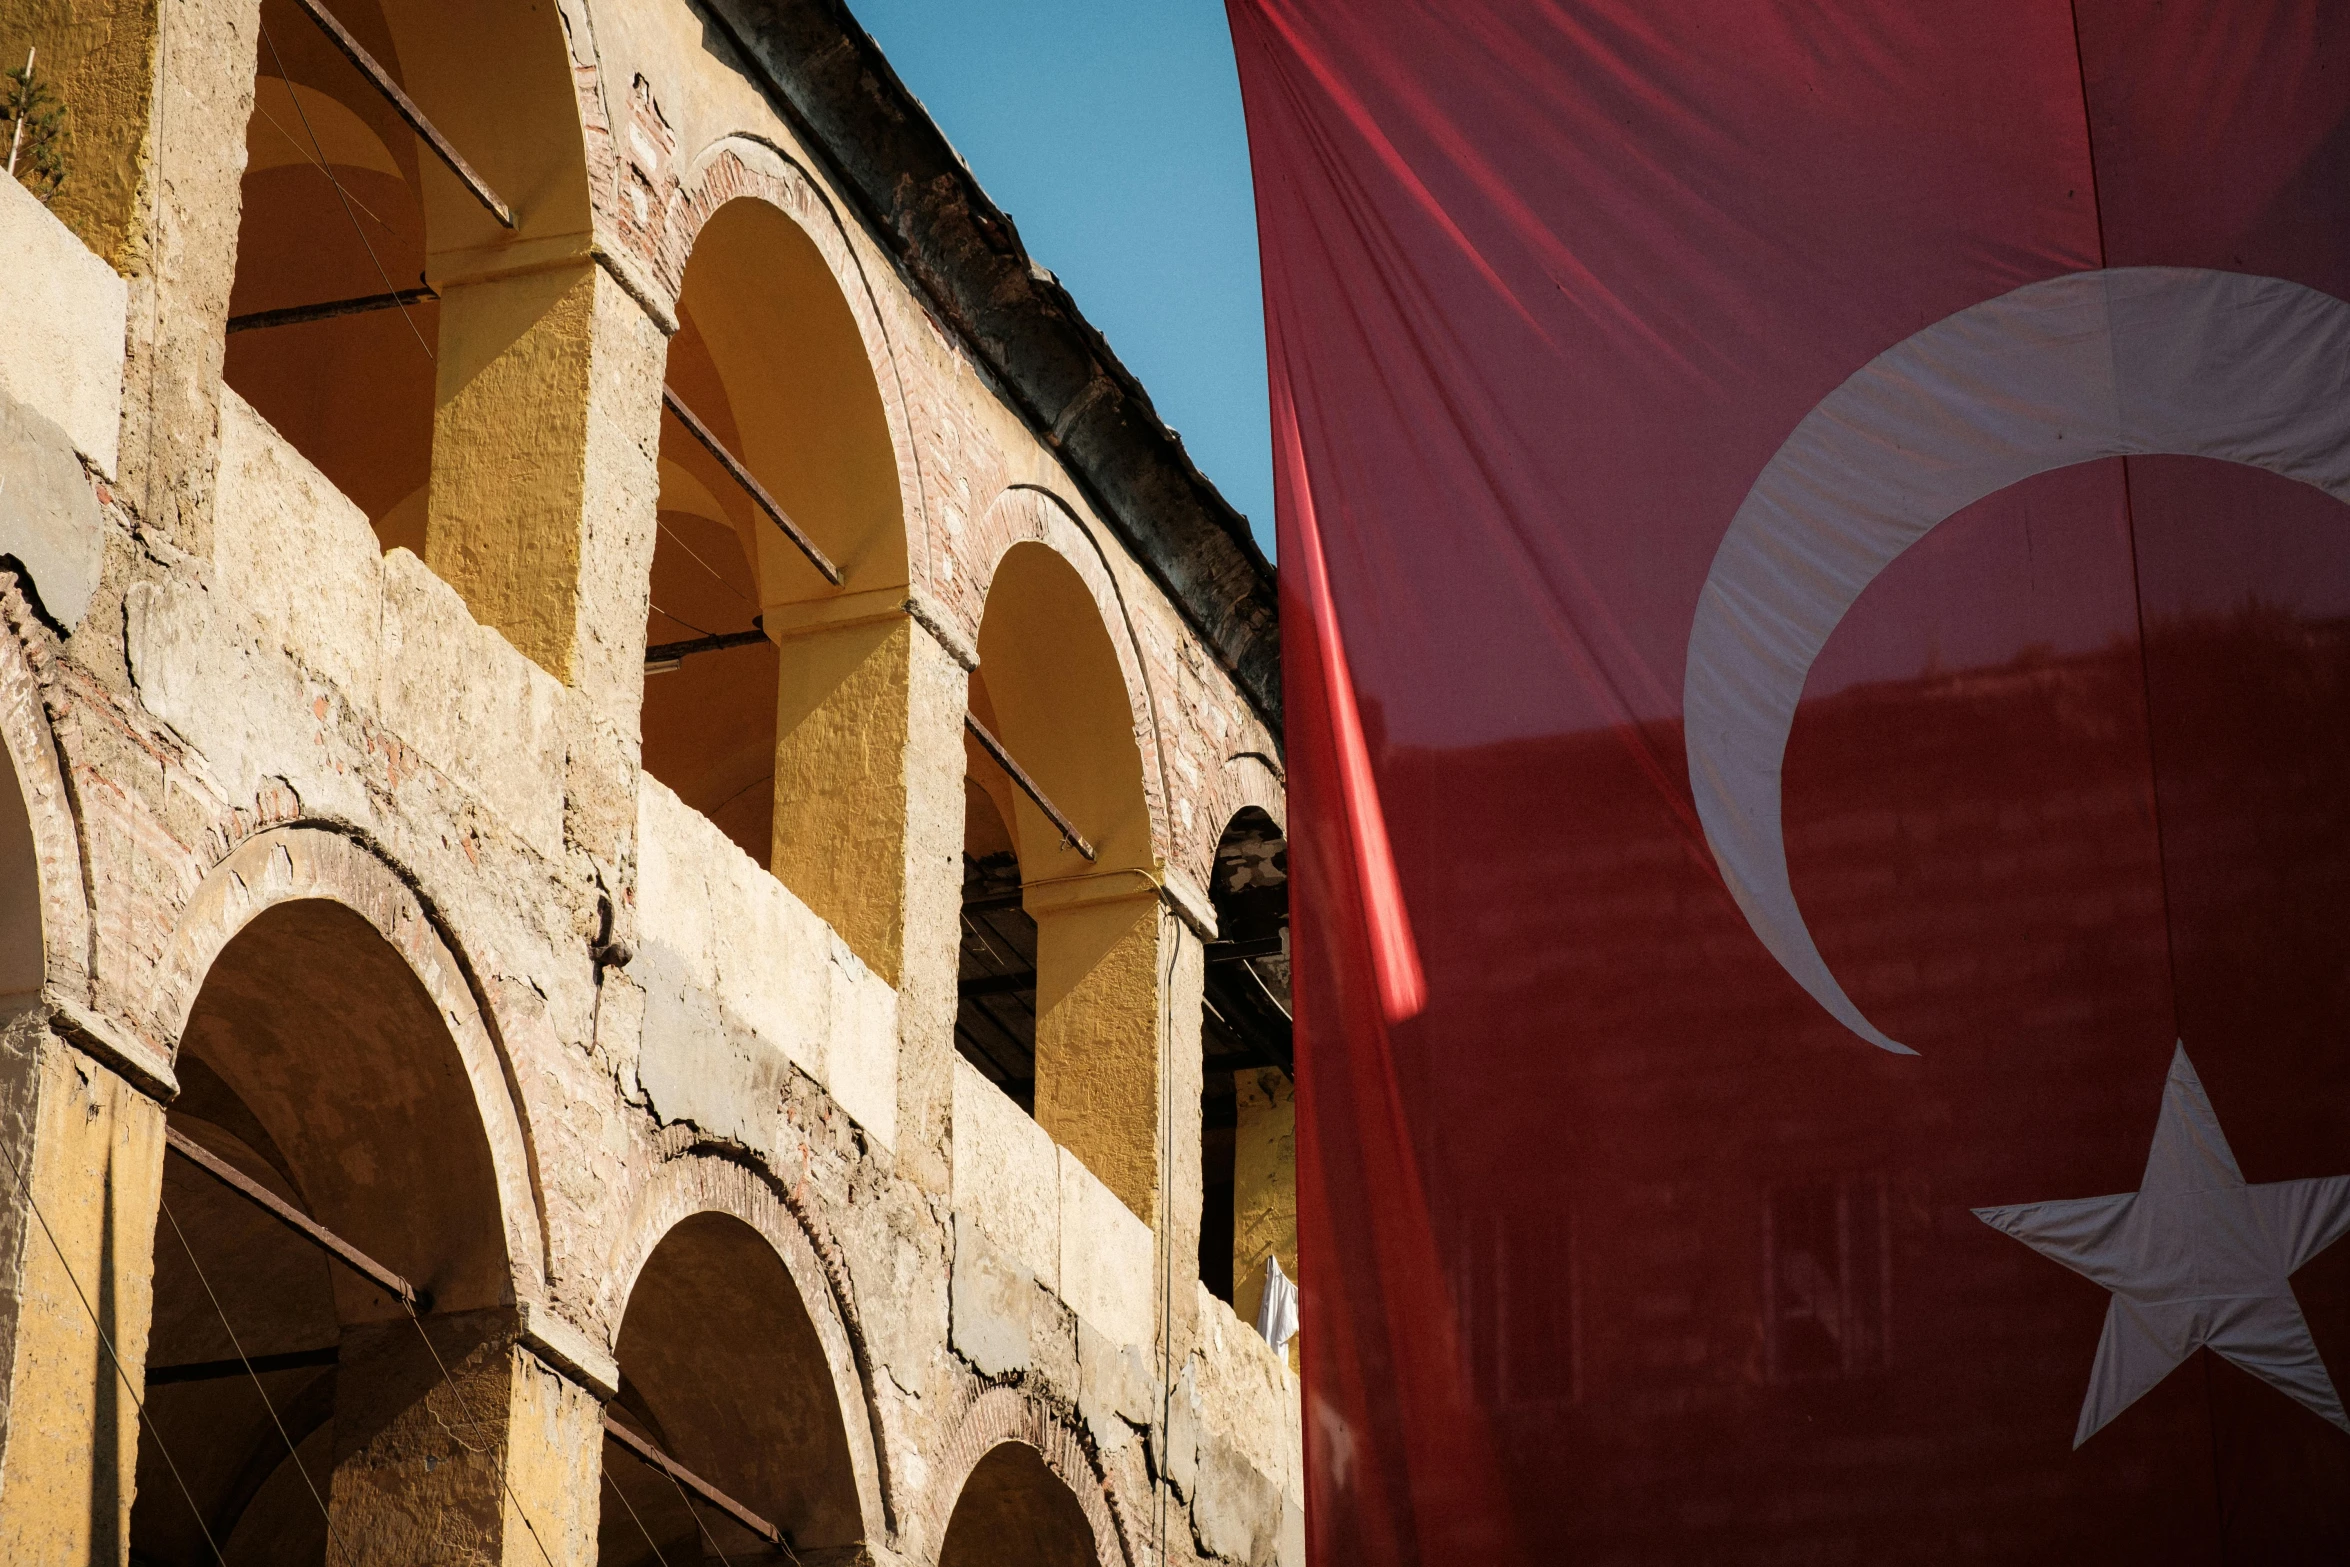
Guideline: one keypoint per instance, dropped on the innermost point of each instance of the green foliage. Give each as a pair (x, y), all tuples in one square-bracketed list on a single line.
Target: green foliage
[(32, 125)]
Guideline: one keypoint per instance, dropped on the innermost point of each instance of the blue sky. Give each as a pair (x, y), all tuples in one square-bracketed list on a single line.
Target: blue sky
[(1111, 131)]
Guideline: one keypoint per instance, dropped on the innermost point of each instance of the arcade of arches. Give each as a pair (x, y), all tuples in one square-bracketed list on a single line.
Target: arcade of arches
[(633, 925)]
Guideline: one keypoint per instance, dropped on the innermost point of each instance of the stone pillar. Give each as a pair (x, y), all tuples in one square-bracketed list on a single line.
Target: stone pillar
[(841, 727), (869, 817), (1103, 949), (159, 96), (938, 694), (1264, 1188), (496, 1462), (90, 1147), (545, 476)]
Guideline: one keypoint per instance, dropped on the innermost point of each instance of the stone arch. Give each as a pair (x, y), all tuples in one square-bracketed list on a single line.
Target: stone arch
[(44, 865), (302, 864), (377, 400), (776, 701), (1026, 514), (744, 167), (700, 1186), (330, 1048), (1004, 1416), (1247, 780), (1072, 1025)]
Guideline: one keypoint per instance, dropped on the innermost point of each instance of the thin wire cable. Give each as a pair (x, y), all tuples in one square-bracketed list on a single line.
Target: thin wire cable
[(283, 1434), (650, 1542), (739, 793), (344, 197), (679, 540), (465, 1408), (137, 1403), (701, 631), (308, 158), (695, 1514)]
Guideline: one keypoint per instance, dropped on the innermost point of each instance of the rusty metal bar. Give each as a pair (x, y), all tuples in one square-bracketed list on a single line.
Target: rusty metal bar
[(406, 108), (295, 315), (1242, 951), (667, 655), (750, 485), (217, 1370), (293, 1218), (653, 1457), (1003, 759)]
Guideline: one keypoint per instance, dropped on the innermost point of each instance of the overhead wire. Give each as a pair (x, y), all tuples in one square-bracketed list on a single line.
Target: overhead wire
[(311, 159), (344, 196), (137, 1403), (292, 1451), (652, 1544), (678, 539), (695, 1514), (700, 631)]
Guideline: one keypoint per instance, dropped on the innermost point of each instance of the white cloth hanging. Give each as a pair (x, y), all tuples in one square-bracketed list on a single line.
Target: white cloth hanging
[(1277, 1312)]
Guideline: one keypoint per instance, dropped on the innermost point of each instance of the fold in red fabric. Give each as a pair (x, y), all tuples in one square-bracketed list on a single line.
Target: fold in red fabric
[(1817, 632)]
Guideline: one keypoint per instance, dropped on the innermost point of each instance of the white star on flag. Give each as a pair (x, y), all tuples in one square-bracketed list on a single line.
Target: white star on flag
[(2195, 1259)]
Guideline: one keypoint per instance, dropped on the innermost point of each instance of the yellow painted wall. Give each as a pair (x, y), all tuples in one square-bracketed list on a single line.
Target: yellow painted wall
[(86, 1281), (1264, 1190), (99, 57)]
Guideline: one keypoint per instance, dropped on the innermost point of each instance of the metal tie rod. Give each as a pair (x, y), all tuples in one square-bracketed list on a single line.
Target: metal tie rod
[(405, 106), (661, 657), (654, 1458), (328, 310), (750, 485), (294, 1218), (1003, 759)]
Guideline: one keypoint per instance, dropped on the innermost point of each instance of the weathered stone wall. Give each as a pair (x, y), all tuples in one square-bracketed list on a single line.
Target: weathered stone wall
[(219, 694)]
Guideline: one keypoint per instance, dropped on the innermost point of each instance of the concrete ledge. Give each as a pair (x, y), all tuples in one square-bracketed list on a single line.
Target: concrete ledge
[(1108, 1257), (568, 1349), (1006, 1175), (117, 1051)]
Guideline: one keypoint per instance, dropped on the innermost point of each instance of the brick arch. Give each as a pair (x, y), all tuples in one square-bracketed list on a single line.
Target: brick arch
[(32, 747), (1247, 778), (301, 862), (743, 167), (1024, 514), (701, 1183), (1002, 1413)]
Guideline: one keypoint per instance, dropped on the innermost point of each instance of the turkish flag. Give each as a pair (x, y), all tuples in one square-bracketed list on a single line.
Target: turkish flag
[(1817, 618)]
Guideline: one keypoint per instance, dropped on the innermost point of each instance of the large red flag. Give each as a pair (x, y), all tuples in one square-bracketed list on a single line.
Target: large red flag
[(1818, 606)]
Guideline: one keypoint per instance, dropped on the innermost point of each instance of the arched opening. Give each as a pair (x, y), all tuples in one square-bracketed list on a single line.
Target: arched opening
[(767, 358), (315, 1063), (353, 232), (775, 698), (1015, 1512), (22, 961), (722, 1370), (1060, 974), (1248, 1202)]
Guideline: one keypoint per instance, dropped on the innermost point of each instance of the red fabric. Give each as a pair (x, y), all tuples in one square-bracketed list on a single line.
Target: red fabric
[(1616, 1246)]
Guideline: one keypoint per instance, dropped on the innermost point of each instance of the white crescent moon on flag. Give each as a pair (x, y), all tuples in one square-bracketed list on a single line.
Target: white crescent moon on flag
[(2123, 362)]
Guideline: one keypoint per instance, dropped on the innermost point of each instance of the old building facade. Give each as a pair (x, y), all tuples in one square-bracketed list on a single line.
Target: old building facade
[(539, 773)]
